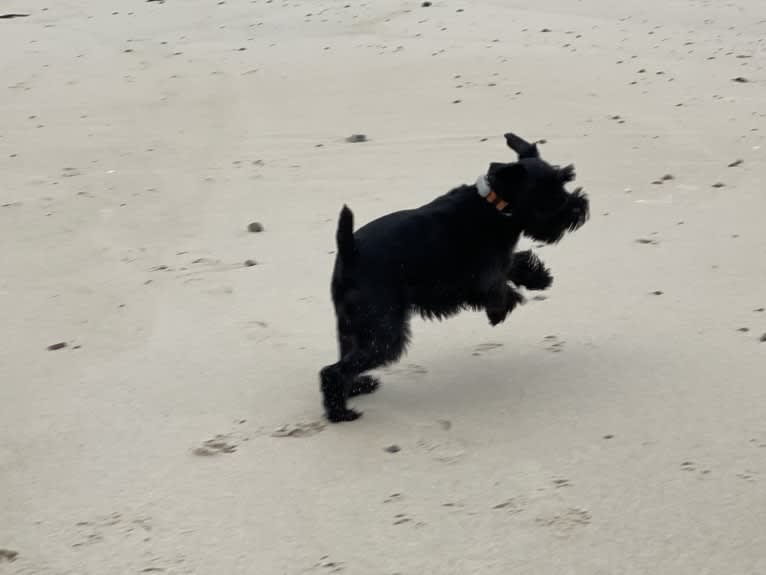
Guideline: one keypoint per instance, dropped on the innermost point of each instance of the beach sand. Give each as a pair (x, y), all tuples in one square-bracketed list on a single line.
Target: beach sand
[(617, 426)]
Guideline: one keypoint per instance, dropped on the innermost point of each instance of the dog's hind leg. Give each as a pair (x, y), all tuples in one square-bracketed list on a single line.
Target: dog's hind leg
[(362, 384), (527, 270), (383, 342)]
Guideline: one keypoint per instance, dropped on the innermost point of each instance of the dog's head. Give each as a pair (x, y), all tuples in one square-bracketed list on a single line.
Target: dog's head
[(536, 193)]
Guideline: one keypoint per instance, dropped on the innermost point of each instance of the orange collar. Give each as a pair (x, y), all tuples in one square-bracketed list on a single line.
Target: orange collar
[(482, 185)]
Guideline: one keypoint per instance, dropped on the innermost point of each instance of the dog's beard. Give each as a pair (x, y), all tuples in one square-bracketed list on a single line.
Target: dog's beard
[(550, 228)]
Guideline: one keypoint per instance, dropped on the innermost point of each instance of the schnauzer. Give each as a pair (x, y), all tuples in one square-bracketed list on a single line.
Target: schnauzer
[(452, 254)]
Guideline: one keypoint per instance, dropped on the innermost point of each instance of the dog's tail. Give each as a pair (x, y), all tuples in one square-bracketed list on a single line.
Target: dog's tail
[(345, 236)]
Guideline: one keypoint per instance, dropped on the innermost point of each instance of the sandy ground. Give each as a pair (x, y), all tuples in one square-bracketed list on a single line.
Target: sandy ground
[(616, 427)]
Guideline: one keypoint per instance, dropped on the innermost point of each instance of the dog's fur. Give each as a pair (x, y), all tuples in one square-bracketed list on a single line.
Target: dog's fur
[(452, 254)]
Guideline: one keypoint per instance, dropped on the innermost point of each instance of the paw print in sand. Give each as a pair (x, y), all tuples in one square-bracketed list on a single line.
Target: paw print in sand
[(485, 347), (215, 446), (299, 429)]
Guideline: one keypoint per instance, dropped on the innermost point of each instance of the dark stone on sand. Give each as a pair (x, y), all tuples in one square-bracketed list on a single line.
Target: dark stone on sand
[(740, 80), (392, 449), (426, 4), (735, 163), (356, 138), (57, 346), (250, 263), (255, 227)]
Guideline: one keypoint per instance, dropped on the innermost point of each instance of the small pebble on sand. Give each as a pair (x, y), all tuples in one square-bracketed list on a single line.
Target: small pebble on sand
[(57, 346), (255, 227)]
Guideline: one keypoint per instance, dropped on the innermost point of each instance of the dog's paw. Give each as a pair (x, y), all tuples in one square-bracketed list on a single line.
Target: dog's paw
[(363, 384), (527, 270), (341, 415), (496, 316), (539, 279)]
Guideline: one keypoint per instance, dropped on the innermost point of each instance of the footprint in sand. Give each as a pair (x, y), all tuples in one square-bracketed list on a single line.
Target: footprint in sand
[(566, 522), (690, 466), (404, 519), (223, 443), (299, 429), (103, 527), (198, 269), (554, 344), (8, 555), (445, 452), (438, 444), (137, 533), (325, 565), (748, 475), (486, 347), (258, 331), (514, 505), (216, 446)]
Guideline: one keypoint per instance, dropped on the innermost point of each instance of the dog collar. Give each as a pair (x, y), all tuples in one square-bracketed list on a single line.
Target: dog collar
[(482, 185)]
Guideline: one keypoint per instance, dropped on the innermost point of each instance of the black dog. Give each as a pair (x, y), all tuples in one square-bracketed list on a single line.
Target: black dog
[(452, 254)]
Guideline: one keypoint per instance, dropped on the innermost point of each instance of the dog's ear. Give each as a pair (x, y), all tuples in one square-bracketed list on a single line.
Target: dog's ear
[(523, 148)]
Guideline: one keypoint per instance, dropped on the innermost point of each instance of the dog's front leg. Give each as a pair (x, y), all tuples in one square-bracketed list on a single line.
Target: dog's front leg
[(500, 301), (527, 270)]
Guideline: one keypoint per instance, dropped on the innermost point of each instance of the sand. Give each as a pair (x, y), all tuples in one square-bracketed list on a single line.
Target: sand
[(616, 427)]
